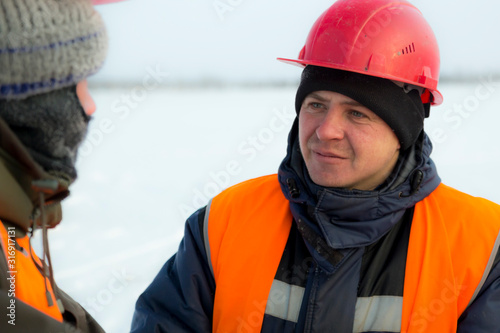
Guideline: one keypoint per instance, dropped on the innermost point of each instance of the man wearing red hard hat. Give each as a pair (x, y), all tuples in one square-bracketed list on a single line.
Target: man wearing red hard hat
[(47, 50), (356, 232)]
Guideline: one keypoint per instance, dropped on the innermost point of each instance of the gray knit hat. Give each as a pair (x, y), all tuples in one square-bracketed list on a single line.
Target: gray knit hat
[(48, 44)]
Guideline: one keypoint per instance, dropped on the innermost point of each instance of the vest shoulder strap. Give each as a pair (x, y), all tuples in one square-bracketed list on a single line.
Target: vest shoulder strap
[(26, 283), (443, 274), (248, 226)]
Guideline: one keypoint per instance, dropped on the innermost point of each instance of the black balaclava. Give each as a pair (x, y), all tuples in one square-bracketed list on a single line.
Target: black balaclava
[(402, 111), (51, 126)]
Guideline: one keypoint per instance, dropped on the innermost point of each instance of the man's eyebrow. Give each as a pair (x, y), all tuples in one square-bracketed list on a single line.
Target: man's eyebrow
[(350, 102), (317, 96)]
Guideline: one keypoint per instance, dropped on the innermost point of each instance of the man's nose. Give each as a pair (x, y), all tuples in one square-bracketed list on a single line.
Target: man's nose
[(331, 126)]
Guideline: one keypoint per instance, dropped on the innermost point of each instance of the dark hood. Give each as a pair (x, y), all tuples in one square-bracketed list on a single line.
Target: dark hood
[(353, 218)]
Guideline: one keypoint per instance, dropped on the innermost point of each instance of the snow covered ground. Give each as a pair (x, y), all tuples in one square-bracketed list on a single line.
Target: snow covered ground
[(154, 155)]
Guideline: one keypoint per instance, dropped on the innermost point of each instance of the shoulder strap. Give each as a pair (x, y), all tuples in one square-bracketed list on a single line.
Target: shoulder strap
[(29, 319), (248, 226), (443, 273), (30, 285)]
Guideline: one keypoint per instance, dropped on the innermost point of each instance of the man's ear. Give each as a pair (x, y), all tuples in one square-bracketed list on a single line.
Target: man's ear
[(88, 104)]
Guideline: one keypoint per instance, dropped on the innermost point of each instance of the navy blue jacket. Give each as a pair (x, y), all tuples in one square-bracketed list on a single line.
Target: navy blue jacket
[(346, 249)]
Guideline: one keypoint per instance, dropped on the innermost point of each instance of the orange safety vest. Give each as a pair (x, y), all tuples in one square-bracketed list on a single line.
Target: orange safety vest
[(248, 226), (29, 284)]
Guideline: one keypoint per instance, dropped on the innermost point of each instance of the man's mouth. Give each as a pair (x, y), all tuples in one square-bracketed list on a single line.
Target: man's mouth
[(327, 154)]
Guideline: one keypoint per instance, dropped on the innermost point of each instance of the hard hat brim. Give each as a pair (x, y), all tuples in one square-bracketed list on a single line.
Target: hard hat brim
[(437, 97)]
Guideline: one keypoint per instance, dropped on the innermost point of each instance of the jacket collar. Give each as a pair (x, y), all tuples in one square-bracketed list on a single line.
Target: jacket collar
[(26, 186), (355, 218)]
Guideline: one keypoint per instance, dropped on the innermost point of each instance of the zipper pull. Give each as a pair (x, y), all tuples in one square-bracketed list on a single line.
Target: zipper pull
[(292, 188)]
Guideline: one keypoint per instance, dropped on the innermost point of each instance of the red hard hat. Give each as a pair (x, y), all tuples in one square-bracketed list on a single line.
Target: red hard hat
[(383, 38)]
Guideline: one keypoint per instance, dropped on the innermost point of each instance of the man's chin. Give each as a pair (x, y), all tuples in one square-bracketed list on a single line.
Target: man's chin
[(326, 180)]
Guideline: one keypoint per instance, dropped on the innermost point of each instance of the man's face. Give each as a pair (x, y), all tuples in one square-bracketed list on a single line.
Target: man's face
[(345, 144)]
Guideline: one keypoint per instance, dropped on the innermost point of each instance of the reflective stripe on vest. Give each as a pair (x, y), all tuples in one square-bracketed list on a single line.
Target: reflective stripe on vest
[(284, 301), (29, 284), (248, 226), (378, 314), (374, 314)]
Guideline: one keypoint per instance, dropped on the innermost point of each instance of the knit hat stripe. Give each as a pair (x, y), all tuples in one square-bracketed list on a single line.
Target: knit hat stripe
[(20, 90), (36, 48), (48, 44)]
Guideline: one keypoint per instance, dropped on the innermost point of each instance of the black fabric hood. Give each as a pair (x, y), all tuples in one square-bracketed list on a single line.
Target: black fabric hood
[(353, 218)]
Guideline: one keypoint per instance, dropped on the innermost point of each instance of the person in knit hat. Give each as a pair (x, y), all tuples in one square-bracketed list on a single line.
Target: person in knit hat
[(47, 50), (356, 232)]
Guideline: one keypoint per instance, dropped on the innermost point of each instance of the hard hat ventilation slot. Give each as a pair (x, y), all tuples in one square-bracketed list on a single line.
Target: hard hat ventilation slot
[(409, 49)]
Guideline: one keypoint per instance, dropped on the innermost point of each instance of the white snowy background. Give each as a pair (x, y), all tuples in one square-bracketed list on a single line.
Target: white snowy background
[(191, 100)]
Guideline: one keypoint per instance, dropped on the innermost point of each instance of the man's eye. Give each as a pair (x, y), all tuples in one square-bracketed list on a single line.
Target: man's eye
[(358, 114), (316, 105)]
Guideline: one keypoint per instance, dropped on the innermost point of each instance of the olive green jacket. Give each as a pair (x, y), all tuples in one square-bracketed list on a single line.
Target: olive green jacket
[(29, 195)]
